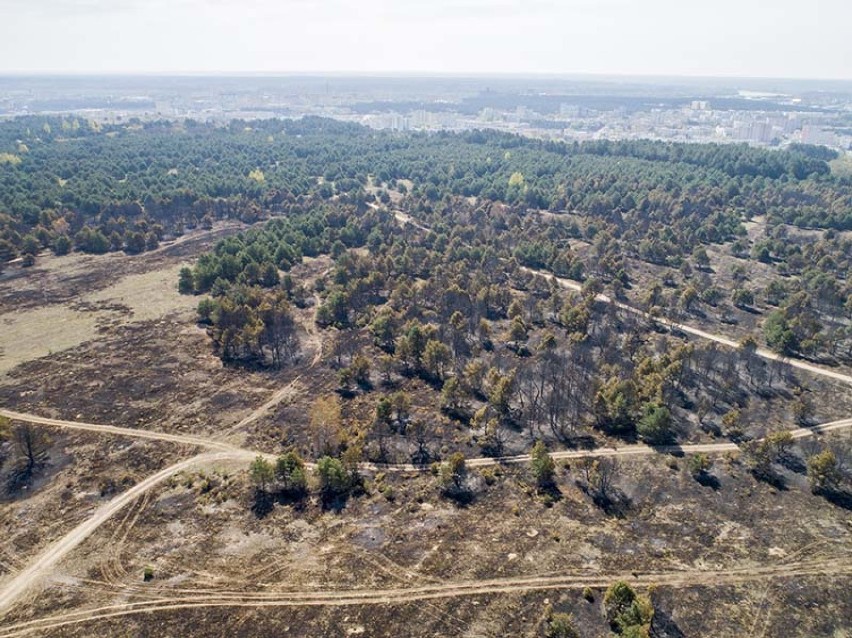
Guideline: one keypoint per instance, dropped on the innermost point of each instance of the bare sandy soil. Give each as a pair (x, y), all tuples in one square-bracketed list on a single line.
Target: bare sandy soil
[(378, 558)]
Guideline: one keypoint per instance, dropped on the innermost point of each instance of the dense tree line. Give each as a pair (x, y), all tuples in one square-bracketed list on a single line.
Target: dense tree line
[(68, 183)]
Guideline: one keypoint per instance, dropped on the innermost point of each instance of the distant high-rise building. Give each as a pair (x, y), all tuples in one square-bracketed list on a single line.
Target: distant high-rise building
[(398, 122), (815, 135), (487, 114), (569, 110), (792, 124), (761, 132)]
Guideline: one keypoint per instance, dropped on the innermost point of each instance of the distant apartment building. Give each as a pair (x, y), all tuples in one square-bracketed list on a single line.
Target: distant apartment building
[(393, 121), (816, 135), (753, 131), (487, 114), (570, 110)]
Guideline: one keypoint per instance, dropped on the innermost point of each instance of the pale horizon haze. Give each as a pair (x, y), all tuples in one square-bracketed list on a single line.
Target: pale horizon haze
[(746, 38)]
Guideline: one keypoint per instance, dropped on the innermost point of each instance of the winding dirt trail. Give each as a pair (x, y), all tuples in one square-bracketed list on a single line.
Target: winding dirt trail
[(151, 435), (236, 452), (638, 449), (41, 566), (289, 391), (354, 597), (31, 575)]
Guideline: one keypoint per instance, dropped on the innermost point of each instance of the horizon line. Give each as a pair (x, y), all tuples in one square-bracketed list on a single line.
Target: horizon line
[(410, 74)]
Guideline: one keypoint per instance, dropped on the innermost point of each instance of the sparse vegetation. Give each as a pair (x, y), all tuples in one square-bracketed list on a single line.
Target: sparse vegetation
[(543, 467), (628, 613), (823, 472), (561, 626)]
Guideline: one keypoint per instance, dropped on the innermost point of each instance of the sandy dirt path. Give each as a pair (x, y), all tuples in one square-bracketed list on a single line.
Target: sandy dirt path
[(44, 563), (351, 597)]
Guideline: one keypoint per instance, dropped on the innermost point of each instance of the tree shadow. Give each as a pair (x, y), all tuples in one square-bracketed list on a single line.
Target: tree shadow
[(739, 437), (263, 503), (421, 457), (292, 498), (577, 441), (582, 442), (706, 479), (840, 498), (616, 504), (551, 493), (793, 463), (432, 380), (664, 626), (770, 477), (765, 392), (668, 448), (613, 503), (462, 492), (783, 393), (22, 476), (491, 448), (458, 414), (710, 428), (461, 497), (334, 502)]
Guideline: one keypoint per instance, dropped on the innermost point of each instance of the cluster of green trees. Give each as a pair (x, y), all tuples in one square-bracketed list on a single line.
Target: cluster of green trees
[(256, 256), (249, 324), (249, 308), (734, 160), (131, 184), (288, 478), (629, 614)]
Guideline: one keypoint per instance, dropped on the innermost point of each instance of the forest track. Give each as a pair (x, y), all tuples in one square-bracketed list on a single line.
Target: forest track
[(635, 449), (151, 435), (289, 391), (638, 449), (42, 565), (576, 286), (160, 601), (570, 284), (31, 574)]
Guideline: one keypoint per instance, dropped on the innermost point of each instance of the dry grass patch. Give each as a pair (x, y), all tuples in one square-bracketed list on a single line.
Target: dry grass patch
[(35, 333)]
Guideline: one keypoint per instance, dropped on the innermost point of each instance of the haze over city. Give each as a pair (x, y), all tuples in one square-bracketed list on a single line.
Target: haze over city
[(785, 38)]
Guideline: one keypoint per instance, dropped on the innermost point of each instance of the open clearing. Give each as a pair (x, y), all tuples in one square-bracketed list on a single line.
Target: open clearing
[(34, 333)]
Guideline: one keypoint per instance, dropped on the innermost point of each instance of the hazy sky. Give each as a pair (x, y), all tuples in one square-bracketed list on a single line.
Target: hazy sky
[(777, 38)]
